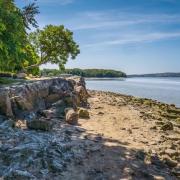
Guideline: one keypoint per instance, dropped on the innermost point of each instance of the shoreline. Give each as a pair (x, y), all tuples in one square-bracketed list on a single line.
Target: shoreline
[(134, 138), (87, 134), (141, 99)]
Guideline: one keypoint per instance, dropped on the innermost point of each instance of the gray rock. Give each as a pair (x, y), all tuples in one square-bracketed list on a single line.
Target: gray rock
[(71, 116), (7, 124), (19, 174), (5, 102), (40, 124), (20, 100), (21, 75), (56, 166), (169, 161), (176, 171)]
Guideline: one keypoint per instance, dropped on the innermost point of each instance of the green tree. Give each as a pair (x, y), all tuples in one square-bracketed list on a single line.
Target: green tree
[(54, 44), (14, 45), (12, 36)]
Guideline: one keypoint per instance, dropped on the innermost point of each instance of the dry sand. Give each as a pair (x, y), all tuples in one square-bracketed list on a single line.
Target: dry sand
[(127, 138)]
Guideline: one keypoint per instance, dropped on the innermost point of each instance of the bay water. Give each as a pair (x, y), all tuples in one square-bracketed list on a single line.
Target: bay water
[(165, 90)]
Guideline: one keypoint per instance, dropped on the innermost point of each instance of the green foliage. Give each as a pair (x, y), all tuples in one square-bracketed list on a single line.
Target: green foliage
[(20, 51), (95, 73), (29, 13), (15, 50), (12, 36), (99, 73), (7, 74), (54, 44), (31, 58)]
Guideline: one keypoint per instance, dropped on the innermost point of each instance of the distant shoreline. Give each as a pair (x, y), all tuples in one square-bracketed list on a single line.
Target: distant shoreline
[(155, 75), (104, 78), (123, 78)]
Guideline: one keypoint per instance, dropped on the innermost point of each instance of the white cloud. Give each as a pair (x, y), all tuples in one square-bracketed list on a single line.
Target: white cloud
[(99, 20), (136, 39)]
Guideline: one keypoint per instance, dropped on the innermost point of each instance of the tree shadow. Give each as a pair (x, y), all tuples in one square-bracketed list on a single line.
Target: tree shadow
[(71, 153), (109, 159)]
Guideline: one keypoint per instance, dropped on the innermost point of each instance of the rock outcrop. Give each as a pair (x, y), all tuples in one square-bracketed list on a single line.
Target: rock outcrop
[(35, 140), (22, 101)]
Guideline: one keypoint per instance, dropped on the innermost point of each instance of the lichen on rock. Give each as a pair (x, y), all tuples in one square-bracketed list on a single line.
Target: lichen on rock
[(83, 113)]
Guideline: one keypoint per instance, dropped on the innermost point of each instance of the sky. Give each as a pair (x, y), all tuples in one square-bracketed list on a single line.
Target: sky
[(135, 36)]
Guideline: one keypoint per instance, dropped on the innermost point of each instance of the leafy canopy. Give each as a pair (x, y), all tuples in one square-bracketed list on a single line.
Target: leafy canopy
[(54, 44), (14, 46)]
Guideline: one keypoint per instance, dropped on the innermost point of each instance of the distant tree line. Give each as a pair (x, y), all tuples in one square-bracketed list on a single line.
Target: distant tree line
[(99, 73), (156, 75)]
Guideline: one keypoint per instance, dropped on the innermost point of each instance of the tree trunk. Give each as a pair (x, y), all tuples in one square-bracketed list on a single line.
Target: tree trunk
[(34, 65)]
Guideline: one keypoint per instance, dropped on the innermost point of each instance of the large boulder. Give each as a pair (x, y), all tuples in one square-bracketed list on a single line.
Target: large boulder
[(71, 116), (82, 95), (80, 90), (19, 100)]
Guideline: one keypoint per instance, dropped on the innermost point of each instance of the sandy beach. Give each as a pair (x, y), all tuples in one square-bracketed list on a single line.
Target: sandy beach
[(128, 138)]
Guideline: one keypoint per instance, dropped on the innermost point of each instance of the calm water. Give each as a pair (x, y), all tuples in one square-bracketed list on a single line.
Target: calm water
[(162, 89)]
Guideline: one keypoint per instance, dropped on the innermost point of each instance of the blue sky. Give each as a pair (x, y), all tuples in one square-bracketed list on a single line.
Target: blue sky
[(135, 36)]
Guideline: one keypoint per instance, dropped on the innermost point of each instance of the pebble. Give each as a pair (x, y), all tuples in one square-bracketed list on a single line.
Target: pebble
[(169, 161)]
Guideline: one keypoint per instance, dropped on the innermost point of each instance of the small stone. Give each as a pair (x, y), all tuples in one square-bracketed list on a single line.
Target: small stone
[(167, 126), (129, 170), (129, 130), (98, 107), (100, 113), (169, 161), (153, 127), (176, 171), (50, 113), (21, 75), (83, 113), (22, 124), (171, 152), (159, 123), (39, 124)]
